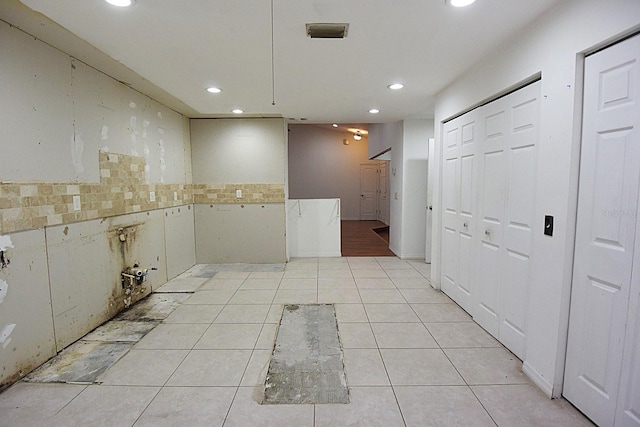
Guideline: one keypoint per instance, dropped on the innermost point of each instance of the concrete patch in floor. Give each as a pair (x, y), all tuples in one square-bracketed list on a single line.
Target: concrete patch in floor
[(154, 307), (85, 360), (80, 363), (307, 363), (120, 331)]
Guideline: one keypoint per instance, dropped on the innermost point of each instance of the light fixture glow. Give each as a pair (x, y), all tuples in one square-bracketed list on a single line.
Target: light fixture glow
[(335, 125), (460, 3), (357, 136), (213, 89), (396, 86), (237, 111), (120, 3), (374, 111)]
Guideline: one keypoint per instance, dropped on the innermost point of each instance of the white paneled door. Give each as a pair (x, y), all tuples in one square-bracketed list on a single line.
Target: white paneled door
[(488, 206), (368, 192), (602, 375)]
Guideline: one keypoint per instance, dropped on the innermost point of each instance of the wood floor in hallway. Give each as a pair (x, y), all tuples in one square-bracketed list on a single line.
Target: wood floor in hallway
[(360, 239)]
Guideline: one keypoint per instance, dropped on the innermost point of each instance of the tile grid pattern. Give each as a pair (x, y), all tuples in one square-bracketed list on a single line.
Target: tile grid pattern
[(122, 189), (412, 358)]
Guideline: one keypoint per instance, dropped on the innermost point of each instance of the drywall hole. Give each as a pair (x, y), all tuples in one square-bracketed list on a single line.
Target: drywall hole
[(179, 210), (210, 206), (65, 231), (242, 206), (189, 207)]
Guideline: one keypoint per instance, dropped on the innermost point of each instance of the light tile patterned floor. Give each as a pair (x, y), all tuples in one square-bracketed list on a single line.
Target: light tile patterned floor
[(412, 358)]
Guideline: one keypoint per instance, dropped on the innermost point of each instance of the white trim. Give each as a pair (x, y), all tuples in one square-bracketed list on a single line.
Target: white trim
[(539, 380)]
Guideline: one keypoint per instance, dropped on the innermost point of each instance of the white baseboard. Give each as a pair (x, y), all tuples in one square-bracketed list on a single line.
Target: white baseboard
[(539, 380), (316, 255)]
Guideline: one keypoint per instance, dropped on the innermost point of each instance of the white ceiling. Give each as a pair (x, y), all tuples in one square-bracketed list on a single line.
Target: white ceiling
[(172, 50)]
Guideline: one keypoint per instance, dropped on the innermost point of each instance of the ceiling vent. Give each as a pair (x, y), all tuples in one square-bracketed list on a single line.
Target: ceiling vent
[(327, 31)]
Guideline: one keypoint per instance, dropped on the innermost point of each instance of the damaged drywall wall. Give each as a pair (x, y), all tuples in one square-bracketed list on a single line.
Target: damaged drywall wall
[(26, 323)]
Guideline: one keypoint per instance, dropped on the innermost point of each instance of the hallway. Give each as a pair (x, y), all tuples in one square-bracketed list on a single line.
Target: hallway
[(358, 238), (412, 358)]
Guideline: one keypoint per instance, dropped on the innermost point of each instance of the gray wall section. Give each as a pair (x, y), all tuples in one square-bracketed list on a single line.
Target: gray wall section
[(179, 234), (239, 151), (232, 233)]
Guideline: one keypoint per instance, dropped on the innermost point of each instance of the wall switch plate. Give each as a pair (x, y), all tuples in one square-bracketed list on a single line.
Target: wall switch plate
[(548, 225), (175, 196), (76, 203), (239, 194), (152, 196)]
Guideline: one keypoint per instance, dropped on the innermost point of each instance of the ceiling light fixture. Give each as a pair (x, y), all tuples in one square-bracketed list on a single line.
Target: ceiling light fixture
[(374, 111), (335, 125), (214, 89), (120, 3), (396, 86), (357, 136), (237, 111), (460, 3)]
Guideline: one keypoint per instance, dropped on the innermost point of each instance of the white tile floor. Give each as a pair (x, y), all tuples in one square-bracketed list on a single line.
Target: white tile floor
[(412, 358)]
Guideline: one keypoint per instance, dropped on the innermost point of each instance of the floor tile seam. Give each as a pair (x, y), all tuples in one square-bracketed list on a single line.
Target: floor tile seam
[(172, 373), (71, 400), (386, 370), (482, 405), (235, 395), (158, 392), (455, 367)]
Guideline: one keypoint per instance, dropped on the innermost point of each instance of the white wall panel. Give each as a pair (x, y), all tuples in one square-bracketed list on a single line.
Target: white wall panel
[(248, 233), (180, 243), (26, 322)]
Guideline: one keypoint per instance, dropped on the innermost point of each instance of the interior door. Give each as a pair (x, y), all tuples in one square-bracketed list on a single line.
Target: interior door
[(520, 201), (603, 336), (459, 206), (368, 192), (489, 176)]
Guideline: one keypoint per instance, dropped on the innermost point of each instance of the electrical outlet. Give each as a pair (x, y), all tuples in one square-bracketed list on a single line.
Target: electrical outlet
[(76, 203), (238, 194)]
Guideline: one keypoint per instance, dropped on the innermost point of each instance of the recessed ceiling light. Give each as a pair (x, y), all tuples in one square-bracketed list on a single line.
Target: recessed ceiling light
[(120, 3), (237, 111), (460, 3), (335, 125), (396, 86), (374, 111), (214, 89)]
